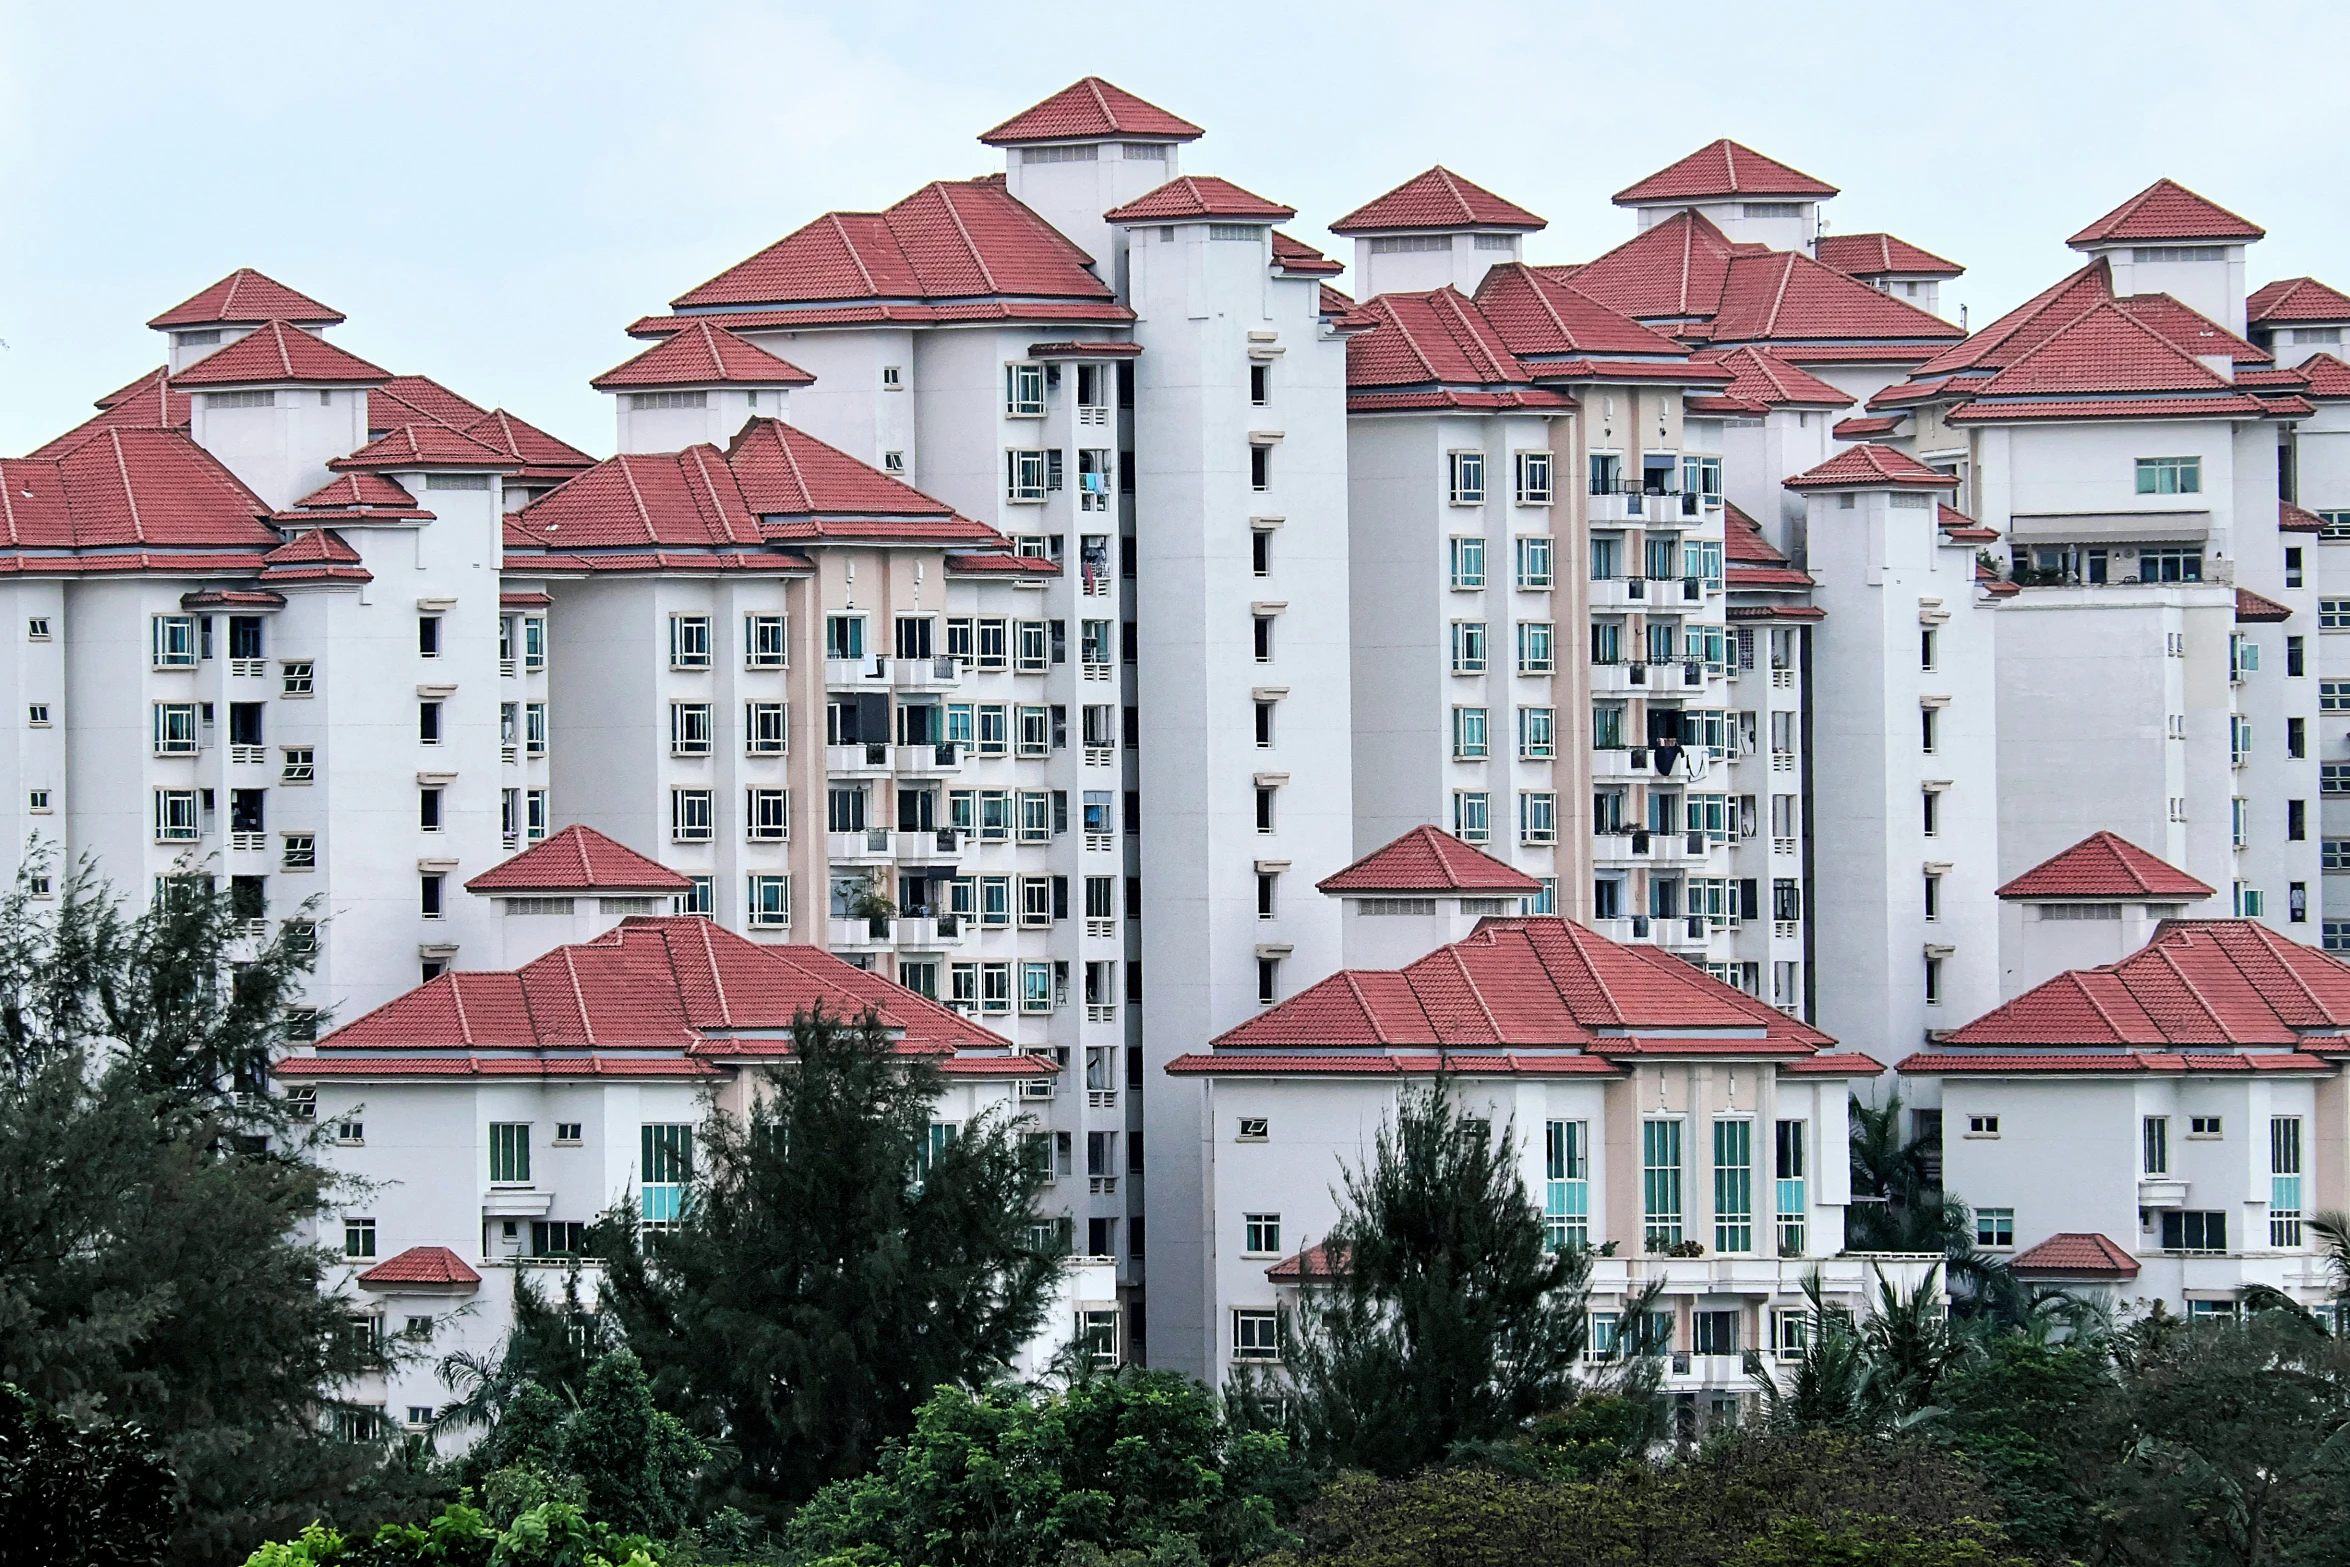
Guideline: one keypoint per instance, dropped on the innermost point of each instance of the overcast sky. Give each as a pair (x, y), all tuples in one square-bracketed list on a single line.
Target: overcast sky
[(491, 191)]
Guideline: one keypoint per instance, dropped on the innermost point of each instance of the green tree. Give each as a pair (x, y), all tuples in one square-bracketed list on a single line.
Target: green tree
[(1132, 1466), (2030, 1412), (1442, 1318), (152, 1201), (837, 1261), (75, 1498)]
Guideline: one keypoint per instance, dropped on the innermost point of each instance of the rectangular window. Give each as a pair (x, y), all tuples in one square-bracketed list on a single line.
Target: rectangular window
[(1537, 816), (176, 820), (689, 642), (1535, 645), (1472, 815), (767, 815), (1468, 647), (1467, 562), (510, 1153), (1536, 728), (665, 1171), (1790, 1175), (1995, 1228), (1024, 391), (2154, 1145), (1256, 1335), (175, 641), (1467, 471), (768, 903), (994, 644), (175, 729), (763, 642), (1024, 476), (689, 729), (1533, 564), (1566, 1201), (844, 637), (2284, 1181), (2189, 1230), (1261, 1234), (689, 815), (1660, 1183), (763, 728), (359, 1238), (1534, 482), (2170, 475), (1468, 734), (1733, 1185)]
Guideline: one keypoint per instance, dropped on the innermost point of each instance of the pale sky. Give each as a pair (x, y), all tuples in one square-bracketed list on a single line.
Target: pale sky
[(492, 191)]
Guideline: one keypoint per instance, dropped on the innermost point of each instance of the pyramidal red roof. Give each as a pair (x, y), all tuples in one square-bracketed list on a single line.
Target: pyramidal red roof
[(1880, 255), (146, 404), (1536, 315), (1198, 196), (542, 456), (1438, 199), (1743, 541), (1763, 380), (354, 497), (579, 859), (2327, 376), (126, 487), (2074, 1254), (2166, 210), (2210, 984), (643, 503), (246, 298), (1090, 109), (418, 399), (1428, 860), (1430, 340), (2189, 329), (414, 446), (314, 555), (2105, 349), (420, 1265), (2104, 865), (1295, 255), (1871, 467), (1722, 168), (802, 488), (2296, 299), (703, 355), (278, 352)]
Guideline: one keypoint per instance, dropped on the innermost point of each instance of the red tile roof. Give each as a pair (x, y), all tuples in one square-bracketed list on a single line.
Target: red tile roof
[(2074, 409), (1863, 429), (1334, 303), (1295, 255), (1763, 381), (314, 555), (1079, 348), (703, 355), (1880, 255), (355, 497), (146, 404), (1518, 985), (579, 859), (2105, 349), (2205, 984), (674, 984), (542, 456), (2072, 1254), (2166, 210), (1722, 168), (418, 446), (278, 352), (246, 298), (2328, 376), (1536, 315), (1031, 311), (2292, 519), (1314, 1261), (640, 501), (802, 488), (420, 1265), (1195, 196), (2104, 865), (1674, 269), (418, 399), (1870, 466), (1743, 541), (1958, 525), (1001, 563), (1438, 199), (1787, 295), (951, 240), (2296, 299), (1429, 860), (2252, 609), (1090, 109), (1991, 1063), (125, 487), (1435, 344), (2191, 330)]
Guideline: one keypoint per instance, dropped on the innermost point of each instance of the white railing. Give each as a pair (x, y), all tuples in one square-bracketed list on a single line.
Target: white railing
[(1782, 845), (1101, 927), (1101, 1099), (1099, 1012), (510, 755), (1099, 755), (1101, 840), (248, 668), (249, 842), (248, 755)]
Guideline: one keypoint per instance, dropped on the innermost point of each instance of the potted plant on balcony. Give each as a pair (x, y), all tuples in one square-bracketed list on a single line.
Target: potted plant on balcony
[(875, 907)]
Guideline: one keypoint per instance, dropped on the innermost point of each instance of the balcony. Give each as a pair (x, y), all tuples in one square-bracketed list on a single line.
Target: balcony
[(925, 761), (853, 673), (925, 847), (248, 668), (920, 674), (858, 934), (248, 755), (1631, 847), (1620, 593), (1619, 677), (871, 847), (930, 932), (857, 761)]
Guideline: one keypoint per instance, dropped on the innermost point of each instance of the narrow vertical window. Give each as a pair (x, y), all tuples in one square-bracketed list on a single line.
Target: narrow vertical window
[(1566, 1201), (1660, 1183), (1791, 1174), (1733, 1185)]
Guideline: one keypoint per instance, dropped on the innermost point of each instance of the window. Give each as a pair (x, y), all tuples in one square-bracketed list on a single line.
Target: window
[(2333, 778), (1025, 475), (1265, 808), (36, 628), (175, 641), (300, 852), (358, 1238), (1733, 1185), (768, 901), (1931, 805), (763, 642), (296, 677), (689, 642), (175, 816), (1256, 1335), (2154, 1145), (2333, 614), (1260, 385), (2170, 475), (1260, 551), (1927, 724), (1467, 475), (2297, 738), (1535, 643), (1566, 1201), (646, 401), (689, 815), (844, 637), (1537, 816), (1982, 1126), (2189, 1230), (1995, 1228), (1468, 734), (430, 888), (1472, 815), (1536, 728), (1468, 647), (1024, 391), (428, 809), (1254, 1129), (1789, 1138), (1264, 726), (1268, 981), (689, 729), (428, 723), (2202, 1126), (767, 815), (1261, 1234), (1466, 562), (665, 1168), (763, 728), (1533, 564), (2284, 1181), (428, 636), (509, 1153), (1534, 483), (1660, 1183), (2170, 564), (175, 728)]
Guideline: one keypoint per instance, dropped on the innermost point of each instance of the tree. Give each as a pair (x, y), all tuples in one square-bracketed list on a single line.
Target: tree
[(152, 1201), (1884, 1373), (75, 1498), (1442, 1317), (1132, 1466), (1898, 1205), (836, 1263), (2030, 1413)]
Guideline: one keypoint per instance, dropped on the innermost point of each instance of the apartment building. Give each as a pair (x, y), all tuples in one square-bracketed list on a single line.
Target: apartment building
[(488, 1118), (1684, 1131)]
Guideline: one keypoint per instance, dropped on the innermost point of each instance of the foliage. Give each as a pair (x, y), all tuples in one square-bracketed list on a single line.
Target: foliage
[(74, 1498), (1898, 1207), (2026, 1412), (1443, 1320), (601, 1446), (549, 1346), (151, 1204), (1883, 1373), (554, 1534), (832, 1267), (1136, 1466), (1749, 1499)]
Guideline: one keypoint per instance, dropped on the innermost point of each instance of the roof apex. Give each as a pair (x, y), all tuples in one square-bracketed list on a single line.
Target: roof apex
[(579, 859), (1090, 109), (704, 354), (2166, 210), (1869, 466), (2104, 865), (1722, 168), (1427, 859), (1437, 199), (246, 298)]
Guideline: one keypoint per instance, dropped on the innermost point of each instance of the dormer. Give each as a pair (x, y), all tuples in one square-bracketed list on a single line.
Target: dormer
[(1433, 231), (276, 406), (232, 308), (697, 387), (1750, 198), (2168, 240), (1089, 148), (1423, 891), (2297, 317), (1890, 265), (2094, 904), (572, 888), (457, 477)]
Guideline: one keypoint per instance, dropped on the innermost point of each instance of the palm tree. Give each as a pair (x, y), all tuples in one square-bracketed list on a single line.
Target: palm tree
[(2332, 1229)]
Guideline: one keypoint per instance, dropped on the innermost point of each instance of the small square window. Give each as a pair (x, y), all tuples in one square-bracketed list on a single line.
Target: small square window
[(2203, 1126), (567, 1133), (1261, 1234), (1982, 1126), (1995, 1228), (1255, 1129)]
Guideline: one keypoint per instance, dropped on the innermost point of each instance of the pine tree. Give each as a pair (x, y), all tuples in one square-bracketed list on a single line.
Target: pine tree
[(840, 1257)]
